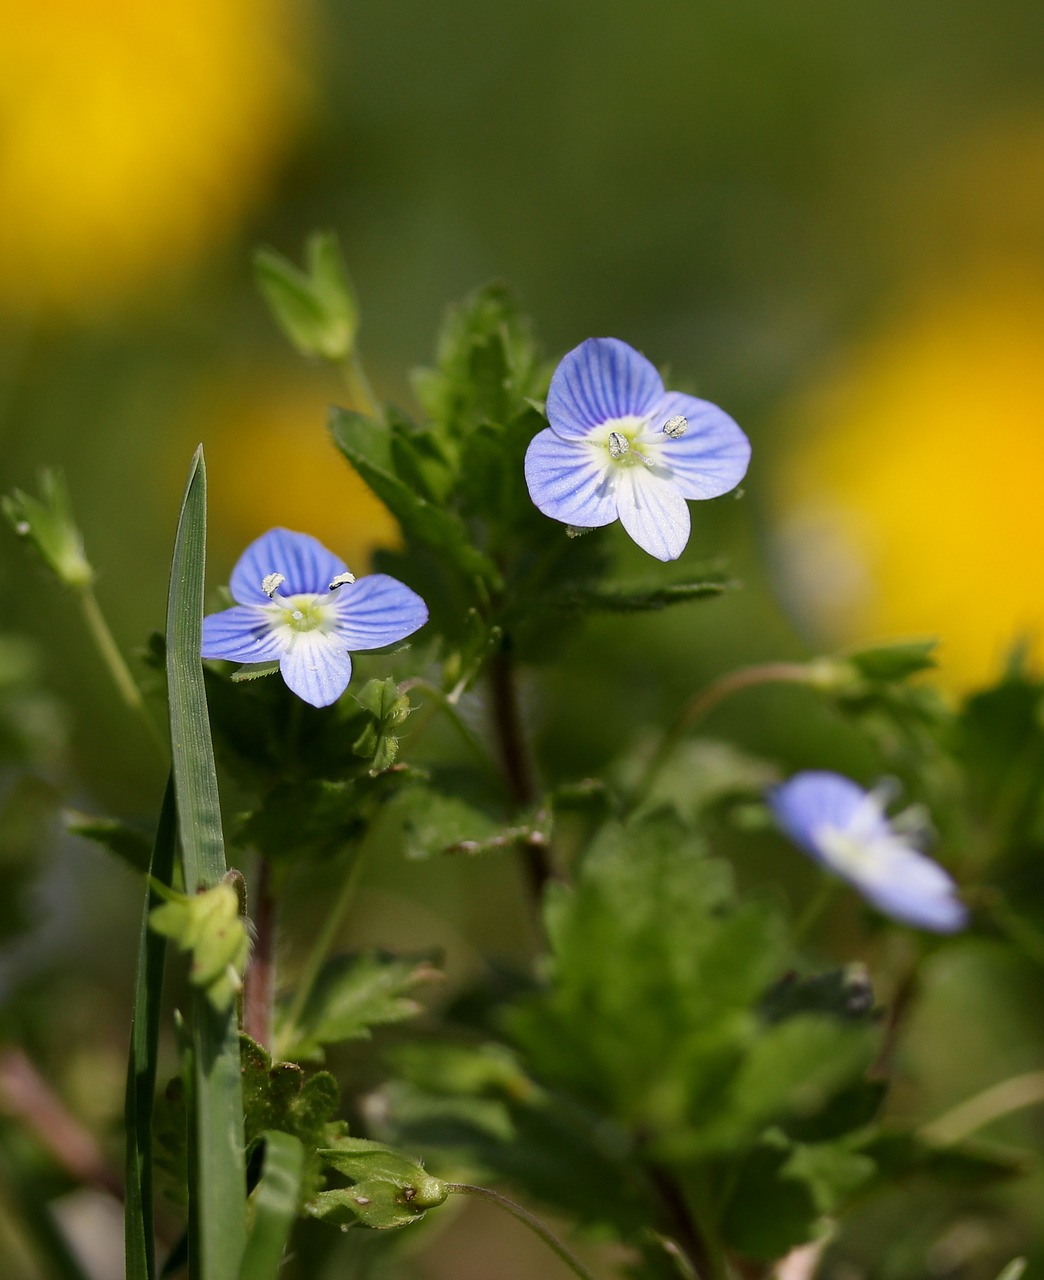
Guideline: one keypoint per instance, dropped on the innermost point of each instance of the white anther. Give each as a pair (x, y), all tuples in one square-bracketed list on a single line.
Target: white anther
[(342, 580), (618, 445), (271, 583), (676, 426)]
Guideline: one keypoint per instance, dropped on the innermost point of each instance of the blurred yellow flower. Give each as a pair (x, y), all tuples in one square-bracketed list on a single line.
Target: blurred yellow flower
[(911, 505), (270, 461), (133, 136)]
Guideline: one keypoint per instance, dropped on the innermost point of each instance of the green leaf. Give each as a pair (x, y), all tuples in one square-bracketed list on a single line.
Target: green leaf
[(217, 1185), (49, 525), (654, 977), (793, 1071), (356, 993), (379, 743), (488, 368), (141, 1063), (390, 1188), (367, 446), (210, 927), (130, 844), (634, 599), (274, 1203), (769, 1212), (316, 308), (435, 823), (896, 661), (281, 1096)]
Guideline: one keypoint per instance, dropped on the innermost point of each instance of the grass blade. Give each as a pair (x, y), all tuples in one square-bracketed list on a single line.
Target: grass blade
[(275, 1201), (141, 1065), (217, 1190)]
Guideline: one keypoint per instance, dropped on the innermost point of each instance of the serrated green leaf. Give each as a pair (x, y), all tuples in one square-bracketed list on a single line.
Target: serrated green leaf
[(367, 446), (281, 1096), (638, 599), (379, 1205), (768, 1212), (355, 993)]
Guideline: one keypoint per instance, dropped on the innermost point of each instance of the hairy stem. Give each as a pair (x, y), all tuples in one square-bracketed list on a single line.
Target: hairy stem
[(530, 1220), (117, 667), (517, 763), (360, 390)]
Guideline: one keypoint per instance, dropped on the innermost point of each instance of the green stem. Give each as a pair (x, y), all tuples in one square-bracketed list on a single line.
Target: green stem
[(702, 703), (445, 704), (530, 1220), (118, 669), (991, 1104), (320, 950), (359, 388)]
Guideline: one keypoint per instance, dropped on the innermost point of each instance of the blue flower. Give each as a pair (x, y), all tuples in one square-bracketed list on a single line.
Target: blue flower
[(298, 605), (844, 828), (621, 447)]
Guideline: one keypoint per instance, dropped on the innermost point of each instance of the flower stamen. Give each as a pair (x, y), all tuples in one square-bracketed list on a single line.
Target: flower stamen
[(271, 583), (675, 426), (619, 445), (342, 580)]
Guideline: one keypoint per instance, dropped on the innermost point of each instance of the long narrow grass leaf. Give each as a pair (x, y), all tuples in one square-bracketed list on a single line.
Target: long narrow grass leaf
[(217, 1176), (275, 1200), (141, 1065)]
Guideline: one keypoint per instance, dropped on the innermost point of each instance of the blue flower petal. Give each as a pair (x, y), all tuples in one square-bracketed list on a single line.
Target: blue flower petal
[(378, 610), (317, 667), (823, 811), (816, 799), (601, 379), (712, 456), (568, 481), (242, 634), (303, 560), (920, 893), (653, 511)]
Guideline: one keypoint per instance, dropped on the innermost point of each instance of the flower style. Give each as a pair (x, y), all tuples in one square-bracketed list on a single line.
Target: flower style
[(621, 447), (298, 604), (844, 828)]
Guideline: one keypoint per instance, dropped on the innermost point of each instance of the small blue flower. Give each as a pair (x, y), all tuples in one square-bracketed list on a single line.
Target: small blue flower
[(298, 605), (621, 447), (844, 828)]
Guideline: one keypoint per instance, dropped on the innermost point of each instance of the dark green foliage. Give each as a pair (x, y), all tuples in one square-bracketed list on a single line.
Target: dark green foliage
[(356, 993)]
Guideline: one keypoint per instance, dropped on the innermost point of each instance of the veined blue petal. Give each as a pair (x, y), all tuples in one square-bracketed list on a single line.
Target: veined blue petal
[(303, 560), (317, 667), (653, 511), (712, 456), (378, 610), (242, 634), (601, 379), (568, 481)]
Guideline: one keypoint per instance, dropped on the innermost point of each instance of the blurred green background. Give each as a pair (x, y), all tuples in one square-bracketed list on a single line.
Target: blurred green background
[(827, 218)]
